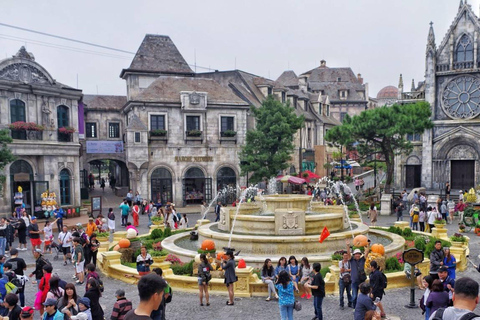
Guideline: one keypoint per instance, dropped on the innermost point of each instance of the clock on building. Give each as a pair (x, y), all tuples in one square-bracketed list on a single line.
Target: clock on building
[(461, 97)]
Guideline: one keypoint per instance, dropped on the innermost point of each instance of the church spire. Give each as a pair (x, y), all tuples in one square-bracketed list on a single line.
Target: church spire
[(460, 5), (413, 85), (400, 83), (431, 36)]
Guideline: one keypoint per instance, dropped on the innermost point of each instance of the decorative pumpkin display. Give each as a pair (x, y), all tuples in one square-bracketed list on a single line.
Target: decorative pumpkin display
[(208, 245), (116, 247), (372, 256), (220, 255), (360, 241), (242, 264), (378, 248), (124, 243), (131, 233)]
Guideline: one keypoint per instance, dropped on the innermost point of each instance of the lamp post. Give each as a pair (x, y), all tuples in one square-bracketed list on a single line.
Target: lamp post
[(341, 163)]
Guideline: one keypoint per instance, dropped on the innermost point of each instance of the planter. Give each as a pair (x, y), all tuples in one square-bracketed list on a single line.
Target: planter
[(439, 225), (157, 222), (102, 239), (457, 243), (159, 259)]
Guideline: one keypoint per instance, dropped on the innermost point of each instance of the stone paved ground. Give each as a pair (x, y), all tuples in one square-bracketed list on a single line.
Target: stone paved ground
[(186, 305)]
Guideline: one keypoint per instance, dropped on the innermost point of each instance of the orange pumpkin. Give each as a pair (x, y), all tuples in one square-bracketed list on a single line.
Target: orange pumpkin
[(242, 264), (378, 248), (360, 241), (124, 243), (220, 255), (208, 245)]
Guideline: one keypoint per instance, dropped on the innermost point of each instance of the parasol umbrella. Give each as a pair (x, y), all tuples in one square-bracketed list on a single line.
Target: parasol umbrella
[(291, 179), (311, 175)]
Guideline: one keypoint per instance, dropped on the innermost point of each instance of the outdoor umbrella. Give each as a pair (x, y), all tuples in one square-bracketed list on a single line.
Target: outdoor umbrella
[(291, 179)]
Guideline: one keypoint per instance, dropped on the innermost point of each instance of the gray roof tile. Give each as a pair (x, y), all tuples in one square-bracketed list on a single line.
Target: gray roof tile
[(104, 102), (288, 79), (135, 124)]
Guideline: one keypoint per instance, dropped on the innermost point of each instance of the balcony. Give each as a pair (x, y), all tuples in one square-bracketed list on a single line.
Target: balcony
[(414, 95), (27, 135), (64, 137), (457, 66)]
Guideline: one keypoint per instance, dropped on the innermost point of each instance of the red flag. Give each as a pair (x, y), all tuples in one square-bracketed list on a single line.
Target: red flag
[(324, 235)]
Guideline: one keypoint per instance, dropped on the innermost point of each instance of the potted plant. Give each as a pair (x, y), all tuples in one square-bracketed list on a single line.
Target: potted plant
[(157, 252), (229, 133), (458, 240), (103, 236), (66, 130), (461, 227), (477, 228), (157, 220), (22, 125), (439, 223), (194, 133), (158, 133)]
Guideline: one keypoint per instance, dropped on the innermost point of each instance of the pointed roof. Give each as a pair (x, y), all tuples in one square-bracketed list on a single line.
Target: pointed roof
[(466, 10), (288, 79), (135, 124), (158, 54), (400, 81)]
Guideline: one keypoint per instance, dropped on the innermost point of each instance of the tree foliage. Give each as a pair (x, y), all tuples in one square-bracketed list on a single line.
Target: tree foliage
[(269, 146), (383, 130), (6, 155)]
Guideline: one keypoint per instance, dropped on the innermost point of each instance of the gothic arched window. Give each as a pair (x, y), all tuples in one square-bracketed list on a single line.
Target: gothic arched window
[(464, 51)]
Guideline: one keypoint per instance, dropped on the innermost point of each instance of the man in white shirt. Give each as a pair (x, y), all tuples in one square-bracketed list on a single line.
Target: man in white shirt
[(65, 239)]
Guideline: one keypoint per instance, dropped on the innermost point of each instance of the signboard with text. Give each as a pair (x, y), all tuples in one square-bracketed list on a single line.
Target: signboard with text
[(104, 146), (413, 256)]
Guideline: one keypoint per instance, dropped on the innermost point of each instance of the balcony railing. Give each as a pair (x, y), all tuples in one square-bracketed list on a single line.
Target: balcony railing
[(457, 66), (64, 137), (414, 95), (27, 135)]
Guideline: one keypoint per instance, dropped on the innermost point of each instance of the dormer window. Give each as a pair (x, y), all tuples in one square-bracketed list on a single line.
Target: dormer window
[(327, 111), (339, 79), (295, 99), (284, 96), (305, 105), (343, 94), (270, 91)]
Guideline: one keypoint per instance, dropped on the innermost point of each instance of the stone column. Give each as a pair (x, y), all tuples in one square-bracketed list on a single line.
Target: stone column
[(242, 286)]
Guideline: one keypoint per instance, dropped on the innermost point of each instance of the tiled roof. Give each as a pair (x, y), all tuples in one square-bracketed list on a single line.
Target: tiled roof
[(288, 79), (159, 54), (104, 102), (167, 89)]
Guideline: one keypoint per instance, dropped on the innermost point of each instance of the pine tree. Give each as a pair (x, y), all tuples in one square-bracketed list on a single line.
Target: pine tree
[(269, 147), (383, 130)]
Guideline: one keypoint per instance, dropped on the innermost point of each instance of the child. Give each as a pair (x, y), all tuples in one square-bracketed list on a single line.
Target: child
[(48, 236)]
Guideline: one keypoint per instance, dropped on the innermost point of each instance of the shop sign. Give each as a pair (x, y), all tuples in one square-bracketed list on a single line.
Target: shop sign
[(413, 256), (194, 159)]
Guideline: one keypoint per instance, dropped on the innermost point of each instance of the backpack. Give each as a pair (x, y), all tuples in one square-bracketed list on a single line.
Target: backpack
[(466, 316), (100, 285), (10, 287), (385, 280)]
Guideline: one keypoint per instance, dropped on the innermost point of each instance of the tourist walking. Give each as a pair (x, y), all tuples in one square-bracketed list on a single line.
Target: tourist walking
[(444, 210), (59, 214), (268, 277), (399, 209), (78, 260), (125, 208), (228, 266), (93, 293), (102, 184), (306, 277), (437, 298), (111, 220), (91, 181), (40, 262), (431, 218), (183, 222), (22, 233), (372, 214), (318, 290), (121, 307), (345, 281), (129, 198), (136, 215), (18, 267), (34, 234), (357, 263), (377, 282), (65, 241), (436, 259), (217, 211), (421, 220), (286, 298), (204, 277), (427, 284)]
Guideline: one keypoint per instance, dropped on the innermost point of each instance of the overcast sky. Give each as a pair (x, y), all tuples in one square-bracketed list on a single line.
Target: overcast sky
[(378, 38)]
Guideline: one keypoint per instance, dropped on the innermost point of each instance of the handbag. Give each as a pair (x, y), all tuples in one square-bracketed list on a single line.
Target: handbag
[(346, 278), (297, 305)]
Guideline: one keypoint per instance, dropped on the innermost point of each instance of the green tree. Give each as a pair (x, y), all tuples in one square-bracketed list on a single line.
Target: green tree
[(6, 155), (269, 147), (383, 130)]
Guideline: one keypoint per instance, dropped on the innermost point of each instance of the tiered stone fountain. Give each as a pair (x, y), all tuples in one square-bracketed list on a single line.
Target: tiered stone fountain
[(289, 225)]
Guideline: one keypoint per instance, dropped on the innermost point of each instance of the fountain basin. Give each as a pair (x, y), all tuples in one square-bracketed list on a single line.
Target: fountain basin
[(287, 201)]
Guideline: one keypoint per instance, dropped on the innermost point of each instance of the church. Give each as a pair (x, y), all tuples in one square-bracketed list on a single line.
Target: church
[(449, 152)]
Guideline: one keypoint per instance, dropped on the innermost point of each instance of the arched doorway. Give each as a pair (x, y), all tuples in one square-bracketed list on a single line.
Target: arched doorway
[(21, 175), (115, 173), (196, 188), (161, 186), (65, 188), (227, 185)]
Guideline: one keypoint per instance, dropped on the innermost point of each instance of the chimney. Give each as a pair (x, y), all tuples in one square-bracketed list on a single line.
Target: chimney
[(323, 63), (360, 79)]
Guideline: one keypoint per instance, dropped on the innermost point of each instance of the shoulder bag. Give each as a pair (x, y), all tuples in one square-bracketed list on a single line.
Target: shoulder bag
[(346, 278)]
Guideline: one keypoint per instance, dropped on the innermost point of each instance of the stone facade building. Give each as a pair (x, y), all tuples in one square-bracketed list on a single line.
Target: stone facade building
[(48, 156), (450, 151)]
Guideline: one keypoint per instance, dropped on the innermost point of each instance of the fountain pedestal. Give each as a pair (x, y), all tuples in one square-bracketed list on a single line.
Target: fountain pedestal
[(242, 286), (289, 222)]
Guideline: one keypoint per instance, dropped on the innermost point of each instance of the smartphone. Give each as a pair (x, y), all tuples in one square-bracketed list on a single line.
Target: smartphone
[(377, 299)]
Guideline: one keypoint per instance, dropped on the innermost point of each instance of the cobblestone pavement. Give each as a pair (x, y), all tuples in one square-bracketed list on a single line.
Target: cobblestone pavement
[(186, 305)]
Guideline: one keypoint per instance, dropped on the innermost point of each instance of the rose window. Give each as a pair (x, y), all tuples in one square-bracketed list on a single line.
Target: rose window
[(461, 97)]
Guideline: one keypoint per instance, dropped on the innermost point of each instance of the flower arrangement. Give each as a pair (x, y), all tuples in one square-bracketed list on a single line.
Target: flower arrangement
[(399, 257), (338, 255), (22, 125), (229, 133), (439, 221), (158, 133), (458, 237), (461, 227), (194, 133), (173, 259), (157, 246), (66, 130)]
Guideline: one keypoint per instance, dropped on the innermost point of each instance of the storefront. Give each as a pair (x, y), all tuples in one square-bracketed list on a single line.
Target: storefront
[(196, 187), (161, 186), (227, 185)]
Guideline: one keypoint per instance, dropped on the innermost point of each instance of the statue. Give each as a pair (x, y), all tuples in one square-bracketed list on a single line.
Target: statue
[(45, 113)]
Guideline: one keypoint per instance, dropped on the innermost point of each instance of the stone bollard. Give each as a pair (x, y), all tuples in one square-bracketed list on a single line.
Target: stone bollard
[(460, 253), (118, 235), (242, 286), (335, 275), (439, 231)]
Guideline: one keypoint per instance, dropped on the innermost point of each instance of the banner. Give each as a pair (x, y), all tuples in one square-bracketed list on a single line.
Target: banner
[(104, 146)]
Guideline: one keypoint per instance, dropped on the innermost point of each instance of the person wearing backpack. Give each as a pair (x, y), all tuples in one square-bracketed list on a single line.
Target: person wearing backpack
[(378, 284), (465, 299)]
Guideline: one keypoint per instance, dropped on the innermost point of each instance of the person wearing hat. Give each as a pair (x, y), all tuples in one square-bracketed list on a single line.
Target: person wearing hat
[(51, 312), (448, 283), (121, 306), (40, 262), (84, 306), (27, 313), (34, 234), (357, 269)]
